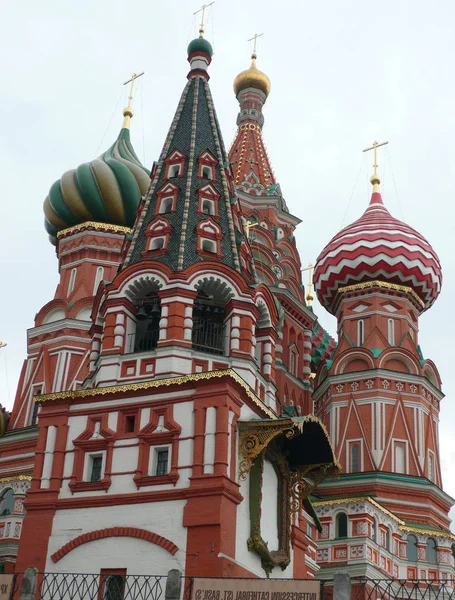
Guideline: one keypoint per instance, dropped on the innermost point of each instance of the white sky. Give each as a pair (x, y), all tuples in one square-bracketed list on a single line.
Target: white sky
[(343, 74)]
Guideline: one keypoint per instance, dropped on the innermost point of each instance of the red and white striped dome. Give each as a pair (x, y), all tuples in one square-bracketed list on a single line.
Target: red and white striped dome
[(378, 247)]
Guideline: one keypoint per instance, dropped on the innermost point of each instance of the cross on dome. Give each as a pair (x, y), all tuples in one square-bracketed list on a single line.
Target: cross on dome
[(375, 180), (128, 111), (255, 37), (203, 7)]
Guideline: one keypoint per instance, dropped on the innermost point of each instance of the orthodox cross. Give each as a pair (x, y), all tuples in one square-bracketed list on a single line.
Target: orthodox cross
[(310, 296), (204, 6), (374, 148), (255, 37), (134, 76)]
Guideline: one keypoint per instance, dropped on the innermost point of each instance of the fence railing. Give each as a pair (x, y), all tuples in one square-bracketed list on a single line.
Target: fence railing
[(118, 585), (88, 586), (406, 589)]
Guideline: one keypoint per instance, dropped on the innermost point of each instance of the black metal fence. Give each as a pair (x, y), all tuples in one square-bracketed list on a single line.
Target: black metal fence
[(120, 586), (90, 586), (401, 589)]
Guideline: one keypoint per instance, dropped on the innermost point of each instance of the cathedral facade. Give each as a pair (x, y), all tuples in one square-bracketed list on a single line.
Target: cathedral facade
[(180, 406)]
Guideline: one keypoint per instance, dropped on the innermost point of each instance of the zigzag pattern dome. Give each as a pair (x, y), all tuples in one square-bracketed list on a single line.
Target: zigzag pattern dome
[(107, 189), (378, 247)]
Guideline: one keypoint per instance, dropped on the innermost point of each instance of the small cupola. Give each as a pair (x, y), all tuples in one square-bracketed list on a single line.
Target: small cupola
[(200, 54)]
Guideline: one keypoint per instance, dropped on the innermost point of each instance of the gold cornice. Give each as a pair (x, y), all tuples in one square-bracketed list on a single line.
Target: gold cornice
[(401, 524), (382, 284), (360, 499), (431, 532), (157, 383), (15, 478), (93, 225)]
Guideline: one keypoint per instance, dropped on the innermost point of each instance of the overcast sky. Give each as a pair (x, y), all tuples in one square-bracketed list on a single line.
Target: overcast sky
[(343, 75)]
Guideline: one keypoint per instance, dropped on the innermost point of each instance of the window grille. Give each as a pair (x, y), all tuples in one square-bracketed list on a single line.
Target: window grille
[(161, 462), (97, 463)]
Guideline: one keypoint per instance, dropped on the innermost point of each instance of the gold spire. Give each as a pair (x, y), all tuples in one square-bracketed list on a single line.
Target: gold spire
[(375, 179), (201, 26), (310, 296), (128, 111)]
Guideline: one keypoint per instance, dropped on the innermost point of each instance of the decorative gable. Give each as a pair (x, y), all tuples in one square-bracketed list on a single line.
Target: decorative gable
[(206, 166), (160, 434), (157, 235), (209, 236), (175, 163), (208, 200), (95, 443), (167, 198)]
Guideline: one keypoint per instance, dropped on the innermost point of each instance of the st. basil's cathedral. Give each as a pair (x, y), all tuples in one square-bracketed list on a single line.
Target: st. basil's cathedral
[(180, 406)]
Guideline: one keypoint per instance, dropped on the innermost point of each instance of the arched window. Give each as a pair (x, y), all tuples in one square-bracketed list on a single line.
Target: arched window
[(411, 548), (157, 243), (430, 466), (374, 530), (209, 246), (207, 172), (208, 324), (98, 278), (391, 332), (166, 205), (387, 539), (72, 281), (342, 525), (208, 207), (209, 236), (360, 332), (399, 458), (452, 550), (293, 362), (174, 171), (354, 458), (432, 554), (7, 503), (34, 418), (148, 315)]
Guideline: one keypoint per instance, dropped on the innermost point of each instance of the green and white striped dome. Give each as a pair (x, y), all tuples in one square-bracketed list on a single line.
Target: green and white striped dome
[(107, 189)]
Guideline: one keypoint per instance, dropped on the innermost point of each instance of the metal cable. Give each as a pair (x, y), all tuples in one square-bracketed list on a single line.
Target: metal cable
[(110, 123), (352, 194)]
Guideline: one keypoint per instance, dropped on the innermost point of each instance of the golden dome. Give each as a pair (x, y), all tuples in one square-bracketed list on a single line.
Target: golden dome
[(252, 77)]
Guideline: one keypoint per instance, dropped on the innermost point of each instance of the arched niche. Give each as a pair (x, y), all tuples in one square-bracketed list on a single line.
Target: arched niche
[(57, 314)]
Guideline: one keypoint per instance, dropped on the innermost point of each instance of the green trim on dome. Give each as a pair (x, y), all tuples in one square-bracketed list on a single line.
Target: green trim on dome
[(90, 192), (200, 44), (108, 189), (58, 204)]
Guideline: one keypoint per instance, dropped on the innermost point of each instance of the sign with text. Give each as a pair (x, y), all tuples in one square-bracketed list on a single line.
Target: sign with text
[(255, 589), (6, 586)]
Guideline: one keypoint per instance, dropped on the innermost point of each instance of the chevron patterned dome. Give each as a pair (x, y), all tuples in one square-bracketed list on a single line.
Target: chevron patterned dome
[(378, 247), (107, 189)]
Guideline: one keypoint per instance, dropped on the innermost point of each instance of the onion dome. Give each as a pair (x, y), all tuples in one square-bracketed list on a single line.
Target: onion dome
[(253, 78), (107, 189), (200, 44), (377, 247)]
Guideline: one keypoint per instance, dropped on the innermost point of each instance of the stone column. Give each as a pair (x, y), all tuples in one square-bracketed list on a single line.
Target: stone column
[(173, 588), (341, 586)]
